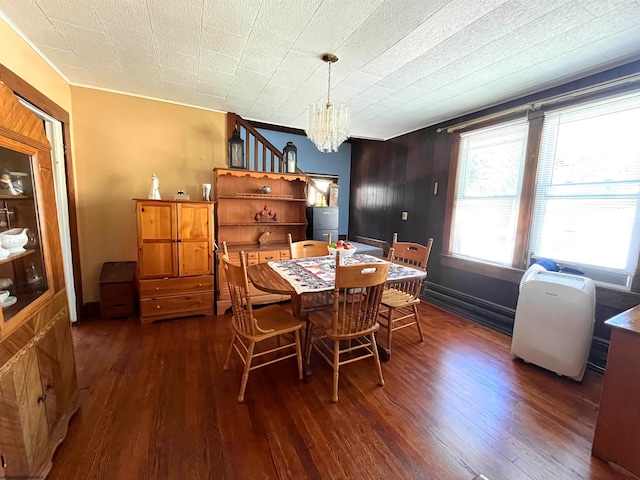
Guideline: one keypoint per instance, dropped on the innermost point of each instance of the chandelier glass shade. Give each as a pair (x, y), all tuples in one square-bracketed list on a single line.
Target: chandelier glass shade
[(327, 124)]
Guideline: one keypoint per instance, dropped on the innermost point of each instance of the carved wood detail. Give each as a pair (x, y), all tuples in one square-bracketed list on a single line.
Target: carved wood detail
[(17, 118)]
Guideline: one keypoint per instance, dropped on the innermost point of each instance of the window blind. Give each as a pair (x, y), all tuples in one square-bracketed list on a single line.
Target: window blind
[(586, 209), (488, 185)]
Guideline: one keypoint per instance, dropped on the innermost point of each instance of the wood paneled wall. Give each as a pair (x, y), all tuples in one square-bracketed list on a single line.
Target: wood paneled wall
[(399, 175)]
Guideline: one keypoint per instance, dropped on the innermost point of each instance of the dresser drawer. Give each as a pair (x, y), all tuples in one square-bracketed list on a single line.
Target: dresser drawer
[(176, 305), (269, 256), (176, 286), (234, 258), (285, 254), (252, 258)]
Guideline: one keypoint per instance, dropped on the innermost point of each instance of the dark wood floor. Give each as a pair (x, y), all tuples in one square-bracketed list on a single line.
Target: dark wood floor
[(156, 404)]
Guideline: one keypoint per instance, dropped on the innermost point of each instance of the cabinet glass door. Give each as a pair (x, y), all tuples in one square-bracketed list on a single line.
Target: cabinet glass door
[(22, 267)]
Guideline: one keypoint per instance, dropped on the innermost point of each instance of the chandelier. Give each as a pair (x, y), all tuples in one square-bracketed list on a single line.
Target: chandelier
[(327, 124)]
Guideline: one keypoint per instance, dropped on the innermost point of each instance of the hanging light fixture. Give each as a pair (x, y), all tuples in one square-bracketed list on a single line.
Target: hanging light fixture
[(327, 124)]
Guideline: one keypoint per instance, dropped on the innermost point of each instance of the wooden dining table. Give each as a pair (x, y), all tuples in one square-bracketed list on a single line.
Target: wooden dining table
[(266, 278)]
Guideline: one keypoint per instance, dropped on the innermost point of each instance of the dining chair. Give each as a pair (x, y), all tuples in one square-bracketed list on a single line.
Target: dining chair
[(317, 300), (352, 321), (251, 326), (400, 301), (308, 248)]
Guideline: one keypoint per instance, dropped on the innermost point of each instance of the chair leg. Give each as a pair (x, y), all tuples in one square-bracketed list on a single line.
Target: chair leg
[(298, 354), (308, 344), (226, 362), (374, 347), (389, 328), (336, 369), (245, 374), (415, 312)]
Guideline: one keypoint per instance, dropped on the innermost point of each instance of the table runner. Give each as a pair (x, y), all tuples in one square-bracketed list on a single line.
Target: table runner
[(317, 274)]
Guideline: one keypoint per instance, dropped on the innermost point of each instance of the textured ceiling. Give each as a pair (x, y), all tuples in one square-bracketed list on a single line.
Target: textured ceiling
[(404, 64)]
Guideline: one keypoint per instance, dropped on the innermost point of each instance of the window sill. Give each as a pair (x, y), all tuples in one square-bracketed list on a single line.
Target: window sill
[(609, 297), (479, 267)]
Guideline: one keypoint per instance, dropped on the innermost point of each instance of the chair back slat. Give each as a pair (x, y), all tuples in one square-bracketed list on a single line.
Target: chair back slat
[(411, 254), (240, 297), (357, 295), (307, 248)]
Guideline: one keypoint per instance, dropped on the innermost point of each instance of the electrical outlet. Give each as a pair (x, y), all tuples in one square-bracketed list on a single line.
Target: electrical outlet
[(405, 215)]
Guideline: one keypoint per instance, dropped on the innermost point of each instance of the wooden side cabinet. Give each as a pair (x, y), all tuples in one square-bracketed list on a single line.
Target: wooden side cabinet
[(175, 259), (118, 290), (37, 398)]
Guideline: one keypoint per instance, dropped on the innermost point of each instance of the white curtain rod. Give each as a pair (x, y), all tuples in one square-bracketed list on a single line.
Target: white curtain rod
[(545, 102)]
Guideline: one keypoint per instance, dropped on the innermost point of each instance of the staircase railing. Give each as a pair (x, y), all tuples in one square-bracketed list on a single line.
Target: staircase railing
[(260, 154)]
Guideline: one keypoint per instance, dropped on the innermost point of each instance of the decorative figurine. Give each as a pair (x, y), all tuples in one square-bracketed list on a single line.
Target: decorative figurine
[(5, 182), (266, 215), (154, 191), (264, 238)]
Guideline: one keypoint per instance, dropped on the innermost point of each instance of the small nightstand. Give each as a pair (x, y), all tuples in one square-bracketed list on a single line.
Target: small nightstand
[(118, 290)]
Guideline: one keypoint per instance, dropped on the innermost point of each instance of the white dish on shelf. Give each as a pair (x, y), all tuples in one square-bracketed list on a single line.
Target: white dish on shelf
[(9, 301), (14, 240), (4, 294), (4, 253)]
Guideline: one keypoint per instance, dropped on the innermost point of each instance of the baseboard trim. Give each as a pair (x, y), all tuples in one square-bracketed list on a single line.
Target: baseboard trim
[(498, 317), (481, 311)]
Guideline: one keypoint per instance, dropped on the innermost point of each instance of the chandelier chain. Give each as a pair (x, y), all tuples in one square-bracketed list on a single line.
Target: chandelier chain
[(329, 86)]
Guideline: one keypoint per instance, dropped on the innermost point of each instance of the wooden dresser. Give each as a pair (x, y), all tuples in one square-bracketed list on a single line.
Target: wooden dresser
[(617, 434), (38, 385), (244, 214), (175, 259)]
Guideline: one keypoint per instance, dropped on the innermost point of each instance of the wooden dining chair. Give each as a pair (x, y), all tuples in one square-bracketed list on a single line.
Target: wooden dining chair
[(400, 301), (352, 322), (254, 326), (308, 248)]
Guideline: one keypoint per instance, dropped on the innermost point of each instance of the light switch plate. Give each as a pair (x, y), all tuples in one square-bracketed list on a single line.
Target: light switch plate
[(405, 215)]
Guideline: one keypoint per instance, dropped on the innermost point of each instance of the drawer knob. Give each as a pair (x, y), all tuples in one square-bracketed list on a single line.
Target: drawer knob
[(50, 386), (3, 461), (199, 284), (42, 398), (157, 288), (157, 306)]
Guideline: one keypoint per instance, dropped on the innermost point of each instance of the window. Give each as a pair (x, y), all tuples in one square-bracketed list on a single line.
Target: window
[(588, 190), (318, 188), (489, 178), (583, 209)]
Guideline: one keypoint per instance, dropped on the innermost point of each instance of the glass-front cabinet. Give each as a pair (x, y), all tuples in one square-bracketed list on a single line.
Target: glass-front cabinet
[(23, 270), (38, 382)]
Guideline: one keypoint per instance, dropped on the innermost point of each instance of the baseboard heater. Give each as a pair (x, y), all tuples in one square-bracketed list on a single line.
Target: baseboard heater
[(497, 316)]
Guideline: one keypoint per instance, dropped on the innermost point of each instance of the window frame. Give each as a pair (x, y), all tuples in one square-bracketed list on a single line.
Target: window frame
[(520, 258)]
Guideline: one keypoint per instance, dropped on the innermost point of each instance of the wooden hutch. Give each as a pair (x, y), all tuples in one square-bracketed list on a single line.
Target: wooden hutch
[(251, 220)]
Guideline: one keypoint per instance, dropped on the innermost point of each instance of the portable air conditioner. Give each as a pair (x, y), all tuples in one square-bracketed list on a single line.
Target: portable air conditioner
[(554, 322)]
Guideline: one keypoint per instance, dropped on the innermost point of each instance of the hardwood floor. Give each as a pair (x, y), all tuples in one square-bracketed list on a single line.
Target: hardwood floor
[(156, 404)]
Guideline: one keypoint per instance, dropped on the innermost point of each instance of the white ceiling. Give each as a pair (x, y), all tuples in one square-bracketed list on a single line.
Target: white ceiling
[(404, 64)]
